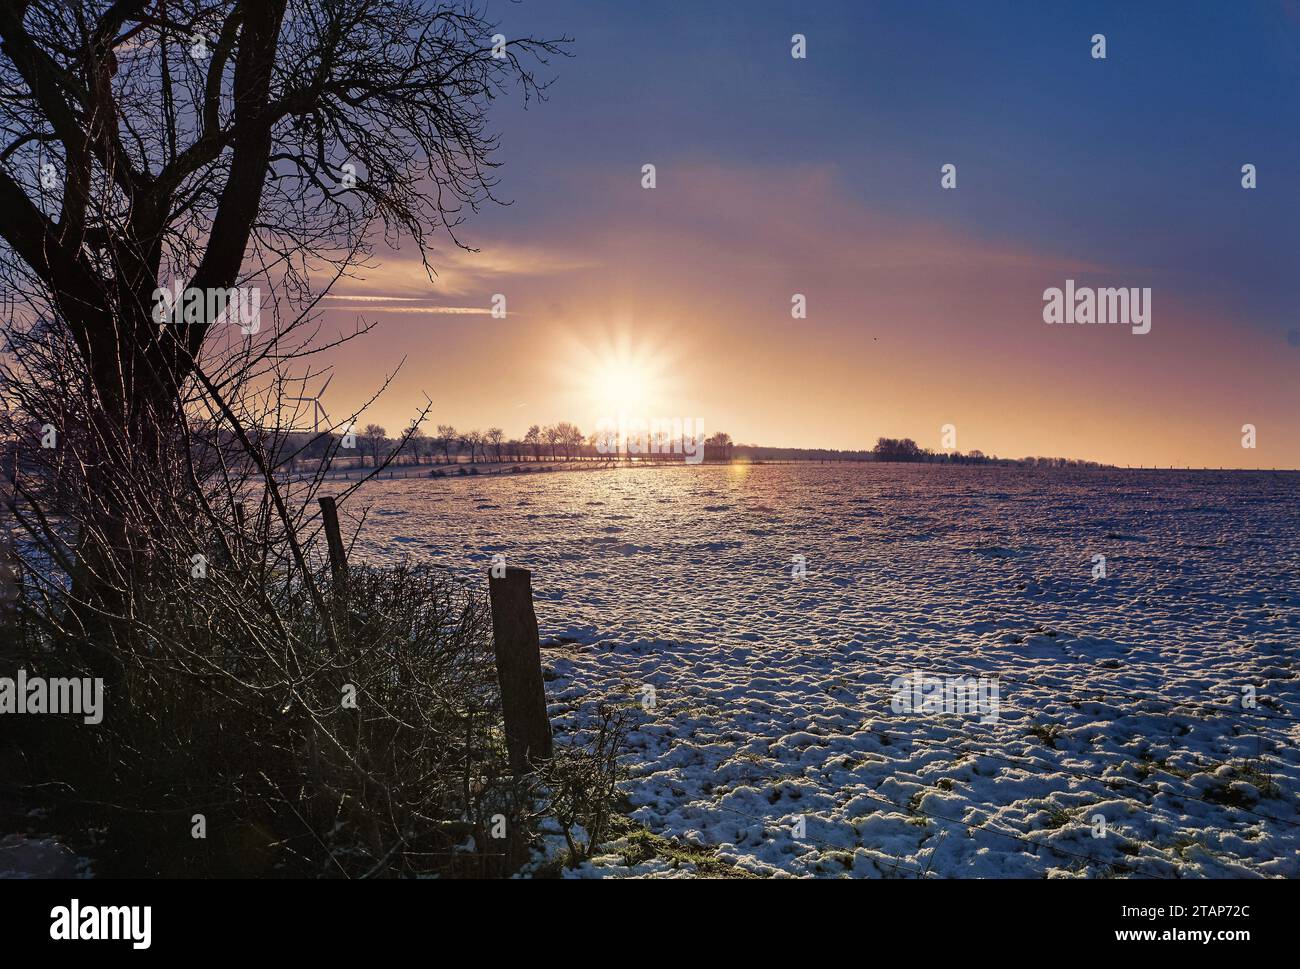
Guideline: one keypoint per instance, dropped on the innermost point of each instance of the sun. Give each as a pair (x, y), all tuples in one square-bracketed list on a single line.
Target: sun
[(619, 388), (620, 376)]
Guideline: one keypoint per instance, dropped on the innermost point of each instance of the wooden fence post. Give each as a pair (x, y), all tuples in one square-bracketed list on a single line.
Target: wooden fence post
[(519, 669), (334, 538)]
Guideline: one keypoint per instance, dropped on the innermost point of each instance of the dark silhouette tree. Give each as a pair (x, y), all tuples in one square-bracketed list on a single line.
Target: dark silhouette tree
[(447, 440), (893, 449), (419, 441), (721, 444), (473, 442), (533, 438), (236, 143), (374, 436), (220, 145)]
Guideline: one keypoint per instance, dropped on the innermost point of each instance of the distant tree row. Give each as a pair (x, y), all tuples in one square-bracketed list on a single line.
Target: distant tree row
[(446, 444), (905, 449), (890, 449), (566, 442)]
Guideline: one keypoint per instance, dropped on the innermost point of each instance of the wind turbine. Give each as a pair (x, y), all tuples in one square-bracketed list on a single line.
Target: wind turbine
[(318, 410)]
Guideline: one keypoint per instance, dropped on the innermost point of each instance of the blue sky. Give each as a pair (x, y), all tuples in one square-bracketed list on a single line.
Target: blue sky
[(821, 176), (1135, 158)]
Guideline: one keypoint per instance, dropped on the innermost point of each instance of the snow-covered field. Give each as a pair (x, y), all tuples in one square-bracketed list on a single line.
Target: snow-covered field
[(772, 735)]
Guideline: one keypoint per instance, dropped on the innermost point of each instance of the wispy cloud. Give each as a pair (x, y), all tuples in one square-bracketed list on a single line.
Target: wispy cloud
[(459, 273), (355, 298), (380, 304)]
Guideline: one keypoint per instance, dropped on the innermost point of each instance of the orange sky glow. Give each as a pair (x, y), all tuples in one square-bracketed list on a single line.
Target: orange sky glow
[(910, 326)]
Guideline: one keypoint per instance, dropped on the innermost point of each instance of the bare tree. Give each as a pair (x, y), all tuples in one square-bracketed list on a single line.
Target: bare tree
[(374, 436), (566, 436), (493, 439), (225, 147), (534, 440), (573, 439), (468, 441), (162, 166), (447, 440), (419, 441)]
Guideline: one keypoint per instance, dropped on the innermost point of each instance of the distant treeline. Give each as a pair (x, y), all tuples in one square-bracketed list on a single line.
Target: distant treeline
[(445, 444), (564, 441), (902, 450)]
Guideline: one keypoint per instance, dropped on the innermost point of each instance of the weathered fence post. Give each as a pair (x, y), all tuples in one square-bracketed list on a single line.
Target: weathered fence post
[(334, 538), (519, 669)]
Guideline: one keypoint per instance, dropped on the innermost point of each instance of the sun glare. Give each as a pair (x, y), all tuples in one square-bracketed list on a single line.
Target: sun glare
[(619, 389), (617, 376)]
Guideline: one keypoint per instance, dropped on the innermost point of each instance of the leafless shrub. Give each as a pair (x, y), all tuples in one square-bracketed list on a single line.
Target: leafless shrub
[(582, 782), (167, 539)]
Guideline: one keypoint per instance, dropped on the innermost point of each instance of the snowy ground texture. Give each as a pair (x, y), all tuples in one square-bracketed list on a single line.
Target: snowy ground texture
[(1120, 697)]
